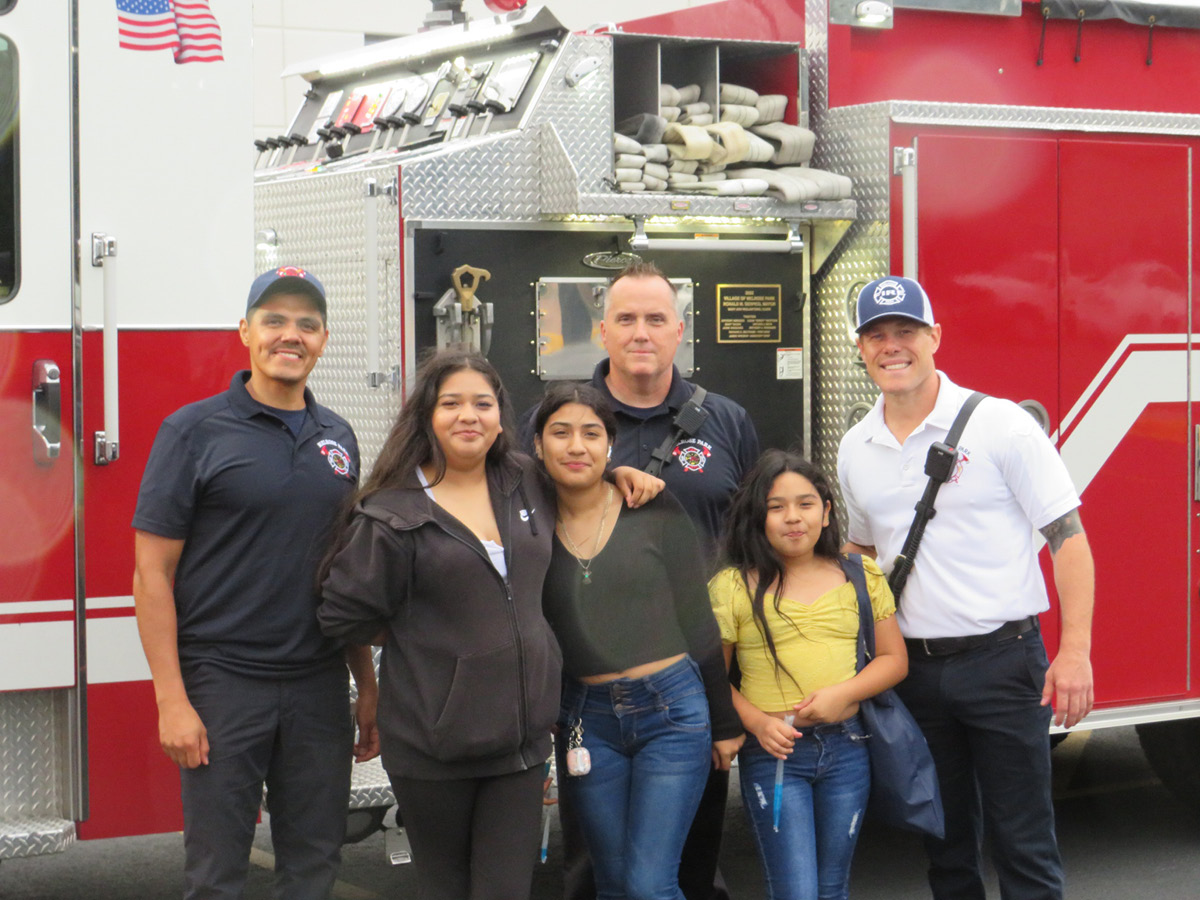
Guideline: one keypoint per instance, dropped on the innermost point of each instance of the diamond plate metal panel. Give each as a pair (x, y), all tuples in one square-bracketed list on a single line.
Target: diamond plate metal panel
[(583, 115), (656, 204), (855, 142), (816, 42), (492, 179), (33, 756), (321, 223), (369, 785), (560, 181), (22, 836), (1043, 118)]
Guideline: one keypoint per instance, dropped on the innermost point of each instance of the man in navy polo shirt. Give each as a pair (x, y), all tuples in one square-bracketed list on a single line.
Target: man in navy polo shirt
[(235, 506), (642, 330)]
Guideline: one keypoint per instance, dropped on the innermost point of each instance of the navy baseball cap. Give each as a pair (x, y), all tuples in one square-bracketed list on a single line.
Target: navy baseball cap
[(892, 295), (287, 280)]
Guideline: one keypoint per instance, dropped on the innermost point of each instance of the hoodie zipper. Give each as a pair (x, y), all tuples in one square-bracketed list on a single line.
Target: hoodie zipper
[(509, 608)]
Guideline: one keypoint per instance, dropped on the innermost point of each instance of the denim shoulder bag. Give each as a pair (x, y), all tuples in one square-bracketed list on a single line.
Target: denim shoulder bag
[(904, 784)]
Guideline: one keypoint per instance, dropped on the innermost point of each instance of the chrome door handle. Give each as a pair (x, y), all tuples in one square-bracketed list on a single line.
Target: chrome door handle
[(47, 412), (107, 443)]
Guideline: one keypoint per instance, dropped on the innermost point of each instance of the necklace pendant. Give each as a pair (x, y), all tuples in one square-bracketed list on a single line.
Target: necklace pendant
[(587, 577)]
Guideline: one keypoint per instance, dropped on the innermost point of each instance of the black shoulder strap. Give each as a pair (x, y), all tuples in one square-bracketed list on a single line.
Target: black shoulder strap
[(852, 565), (938, 466), (687, 422), (960, 421)]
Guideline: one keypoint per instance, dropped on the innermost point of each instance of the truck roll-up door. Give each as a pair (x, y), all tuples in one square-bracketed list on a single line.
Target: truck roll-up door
[(1058, 268)]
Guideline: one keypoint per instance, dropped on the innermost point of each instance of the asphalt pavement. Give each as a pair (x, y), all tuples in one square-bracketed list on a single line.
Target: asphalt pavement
[(1123, 835)]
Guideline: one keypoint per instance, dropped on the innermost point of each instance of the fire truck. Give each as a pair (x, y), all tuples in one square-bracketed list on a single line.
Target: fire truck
[(1030, 163)]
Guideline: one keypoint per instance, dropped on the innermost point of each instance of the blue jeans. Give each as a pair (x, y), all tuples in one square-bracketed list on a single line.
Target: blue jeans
[(651, 748), (826, 781)]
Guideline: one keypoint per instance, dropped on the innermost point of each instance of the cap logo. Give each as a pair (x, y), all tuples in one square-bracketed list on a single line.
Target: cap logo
[(290, 271), (889, 293)]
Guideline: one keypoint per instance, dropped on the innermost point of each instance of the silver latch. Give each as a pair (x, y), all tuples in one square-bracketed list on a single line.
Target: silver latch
[(102, 245)]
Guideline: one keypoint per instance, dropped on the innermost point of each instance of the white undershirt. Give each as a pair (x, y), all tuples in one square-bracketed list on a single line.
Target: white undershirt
[(495, 551)]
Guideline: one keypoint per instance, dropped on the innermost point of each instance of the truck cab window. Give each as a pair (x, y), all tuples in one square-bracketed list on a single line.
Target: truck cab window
[(10, 268)]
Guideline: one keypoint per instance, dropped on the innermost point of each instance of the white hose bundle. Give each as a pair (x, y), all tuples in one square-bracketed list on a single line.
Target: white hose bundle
[(625, 144), (793, 144), (742, 115), (687, 142), (771, 108), (735, 93), (734, 187)]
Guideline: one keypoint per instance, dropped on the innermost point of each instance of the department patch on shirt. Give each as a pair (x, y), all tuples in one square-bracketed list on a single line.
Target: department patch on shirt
[(693, 454), (960, 463), (339, 459)]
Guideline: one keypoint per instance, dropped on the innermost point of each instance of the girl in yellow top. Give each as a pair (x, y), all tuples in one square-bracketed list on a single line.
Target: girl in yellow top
[(785, 606)]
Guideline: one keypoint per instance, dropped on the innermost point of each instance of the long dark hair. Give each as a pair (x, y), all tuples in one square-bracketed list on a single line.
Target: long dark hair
[(746, 545), (412, 443)]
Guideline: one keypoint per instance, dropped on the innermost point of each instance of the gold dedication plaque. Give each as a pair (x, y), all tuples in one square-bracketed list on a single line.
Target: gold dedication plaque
[(748, 313)]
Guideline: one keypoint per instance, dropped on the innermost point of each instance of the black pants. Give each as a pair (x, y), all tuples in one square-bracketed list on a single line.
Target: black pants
[(699, 877), (473, 838), (981, 714), (297, 736)]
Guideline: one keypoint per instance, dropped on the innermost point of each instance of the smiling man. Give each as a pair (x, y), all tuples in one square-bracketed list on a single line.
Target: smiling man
[(235, 505), (641, 331), (978, 682)]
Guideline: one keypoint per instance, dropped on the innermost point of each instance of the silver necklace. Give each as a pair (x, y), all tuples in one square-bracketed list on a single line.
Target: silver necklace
[(586, 564)]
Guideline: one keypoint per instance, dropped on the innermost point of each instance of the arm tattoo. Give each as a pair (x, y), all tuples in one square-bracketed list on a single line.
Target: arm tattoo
[(1061, 529)]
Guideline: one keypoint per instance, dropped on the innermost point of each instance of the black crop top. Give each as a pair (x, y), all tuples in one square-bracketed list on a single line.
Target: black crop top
[(647, 600)]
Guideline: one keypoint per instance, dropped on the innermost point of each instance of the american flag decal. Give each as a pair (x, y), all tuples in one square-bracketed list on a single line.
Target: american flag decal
[(185, 27), (199, 33), (147, 25)]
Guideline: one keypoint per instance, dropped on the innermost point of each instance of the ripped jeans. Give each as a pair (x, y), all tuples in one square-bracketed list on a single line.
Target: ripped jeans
[(826, 781)]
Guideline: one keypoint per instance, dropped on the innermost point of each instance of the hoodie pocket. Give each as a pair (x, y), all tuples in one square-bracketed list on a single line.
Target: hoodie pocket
[(482, 713)]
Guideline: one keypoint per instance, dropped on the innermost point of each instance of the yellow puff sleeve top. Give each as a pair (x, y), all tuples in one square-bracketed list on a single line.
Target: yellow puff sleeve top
[(817, 643)]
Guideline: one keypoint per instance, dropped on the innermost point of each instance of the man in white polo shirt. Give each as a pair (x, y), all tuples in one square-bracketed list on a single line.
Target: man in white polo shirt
[(979, 682)]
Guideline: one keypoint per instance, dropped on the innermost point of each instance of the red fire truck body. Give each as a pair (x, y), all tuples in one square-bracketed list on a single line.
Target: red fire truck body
[(1047, 204), (119, 151), (1055, 230)]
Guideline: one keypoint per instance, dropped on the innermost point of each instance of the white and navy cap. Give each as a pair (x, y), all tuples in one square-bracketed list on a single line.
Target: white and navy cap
[(892, 295)]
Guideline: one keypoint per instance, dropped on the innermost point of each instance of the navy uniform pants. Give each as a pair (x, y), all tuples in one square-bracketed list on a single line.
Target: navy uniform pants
[(981, 714), (295, 735)]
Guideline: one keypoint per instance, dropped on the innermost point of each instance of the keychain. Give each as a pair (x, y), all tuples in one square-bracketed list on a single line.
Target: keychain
[(579, 760)]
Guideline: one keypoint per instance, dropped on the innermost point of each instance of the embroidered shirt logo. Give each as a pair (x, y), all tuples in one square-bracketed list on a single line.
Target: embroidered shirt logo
[(960, 463), (693, 454), (526, 513), (339, 459)]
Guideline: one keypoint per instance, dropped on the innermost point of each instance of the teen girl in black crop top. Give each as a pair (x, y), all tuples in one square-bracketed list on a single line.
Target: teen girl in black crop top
[(645, 693)]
